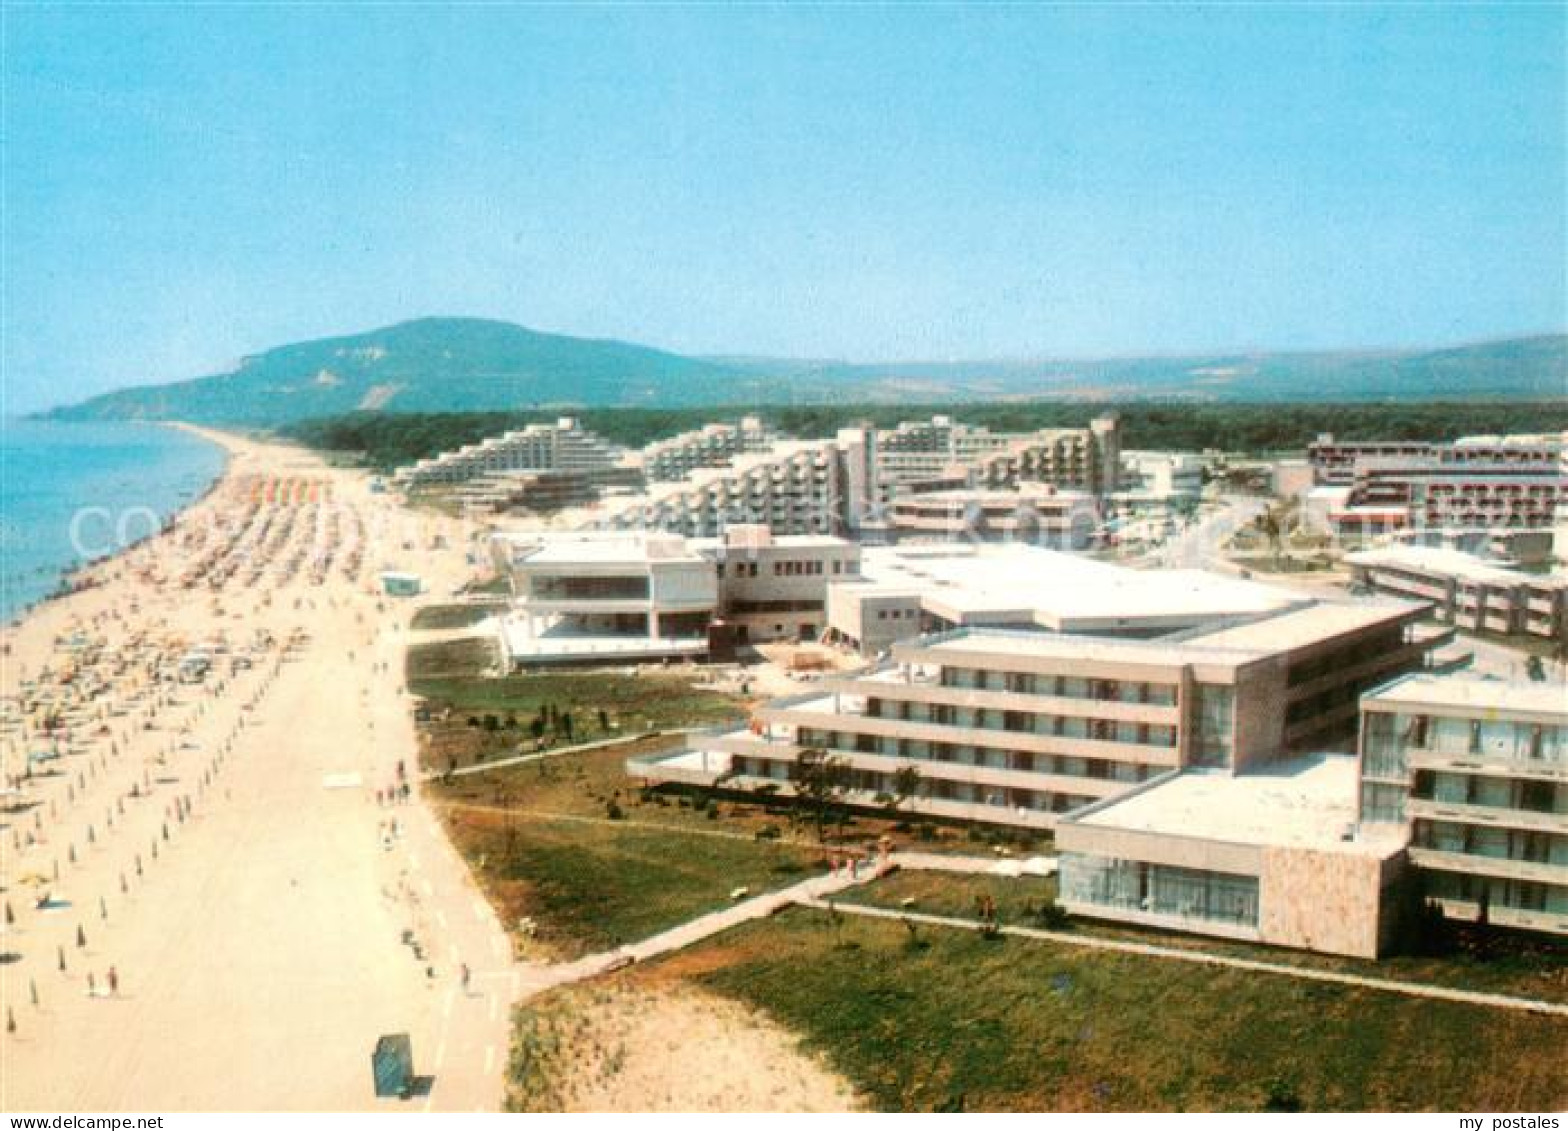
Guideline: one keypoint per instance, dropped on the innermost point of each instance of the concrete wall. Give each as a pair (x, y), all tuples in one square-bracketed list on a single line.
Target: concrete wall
[(1322, 900)]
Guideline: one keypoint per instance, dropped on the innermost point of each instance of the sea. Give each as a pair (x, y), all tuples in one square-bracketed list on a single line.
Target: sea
[(73, 493)]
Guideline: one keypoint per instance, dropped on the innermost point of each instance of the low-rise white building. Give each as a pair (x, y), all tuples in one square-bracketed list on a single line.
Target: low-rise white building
[(611, 596)]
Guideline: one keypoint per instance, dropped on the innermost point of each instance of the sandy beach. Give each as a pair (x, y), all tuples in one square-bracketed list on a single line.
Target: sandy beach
[(207, 904)]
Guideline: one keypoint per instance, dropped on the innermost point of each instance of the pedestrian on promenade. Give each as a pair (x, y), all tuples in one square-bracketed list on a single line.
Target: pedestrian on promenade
[(466, 977), (114, 982)]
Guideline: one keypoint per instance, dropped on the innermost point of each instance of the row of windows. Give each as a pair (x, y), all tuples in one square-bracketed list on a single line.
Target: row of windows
[(1519, 895), (1494, 843), (1492, 792), (1339, 659), (1023, 722), (1160, 889), (1389, 736), (1061, 686), (985, 757)]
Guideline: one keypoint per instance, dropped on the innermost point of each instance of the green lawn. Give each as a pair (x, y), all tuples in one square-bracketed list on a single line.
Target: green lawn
[(947, 1019), (1535, 967), (454, 616), (591, 887), (638, 702)]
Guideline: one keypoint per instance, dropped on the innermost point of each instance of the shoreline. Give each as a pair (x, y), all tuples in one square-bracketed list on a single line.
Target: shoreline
[(194, 746), (69, 579)]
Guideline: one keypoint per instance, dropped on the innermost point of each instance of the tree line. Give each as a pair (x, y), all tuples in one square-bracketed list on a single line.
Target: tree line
[(387, 440)]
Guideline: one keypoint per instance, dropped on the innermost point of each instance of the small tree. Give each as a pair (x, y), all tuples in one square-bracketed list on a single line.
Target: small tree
[(820, 780), (906, 784)]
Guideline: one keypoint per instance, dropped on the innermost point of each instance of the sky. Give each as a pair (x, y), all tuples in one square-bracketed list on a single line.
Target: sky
[(185, 185)]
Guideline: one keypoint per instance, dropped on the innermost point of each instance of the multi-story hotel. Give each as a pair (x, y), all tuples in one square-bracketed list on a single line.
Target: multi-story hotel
[(1083, 459), (1477, 772), (1018, 727), (1479, 483), (795, 487), (713, 445), (1467, 591), (1041, 515), (562, 446)]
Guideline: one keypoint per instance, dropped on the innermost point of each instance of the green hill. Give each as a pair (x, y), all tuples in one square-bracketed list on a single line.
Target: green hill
[(437, 365), (428, 365)]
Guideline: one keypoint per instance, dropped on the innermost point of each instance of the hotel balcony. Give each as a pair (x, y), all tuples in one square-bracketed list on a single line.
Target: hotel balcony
[(742, 743), (707, 768), (1499, 867), (1504, 765), (828, 713), (1518, 918), (889, 688), (1491, 816)]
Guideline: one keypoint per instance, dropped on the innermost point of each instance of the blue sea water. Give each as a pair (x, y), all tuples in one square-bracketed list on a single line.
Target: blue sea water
[(70, 493)]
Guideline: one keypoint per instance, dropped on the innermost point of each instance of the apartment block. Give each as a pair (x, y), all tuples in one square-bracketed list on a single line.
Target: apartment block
[(1479, 483), (1083, 459), (1467, 591), (562, 446), (795, 487), (1476, 773), (713, 445)]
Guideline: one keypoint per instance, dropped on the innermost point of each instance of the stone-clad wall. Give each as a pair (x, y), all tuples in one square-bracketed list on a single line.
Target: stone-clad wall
[(1323, 900)]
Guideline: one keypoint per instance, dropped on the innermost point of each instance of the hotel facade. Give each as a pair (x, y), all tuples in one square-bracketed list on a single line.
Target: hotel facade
[(1475, 772)]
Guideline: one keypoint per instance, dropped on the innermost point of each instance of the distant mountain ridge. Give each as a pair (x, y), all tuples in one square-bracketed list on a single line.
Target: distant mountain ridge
[(470, 364)]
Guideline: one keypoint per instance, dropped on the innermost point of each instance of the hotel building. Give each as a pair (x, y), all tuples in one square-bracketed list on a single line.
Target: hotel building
[(1082, 459), (1467, 591), (713, 445), (1477, 772), (1039, 515), (609, 597), (795, 487), (1479, 483), (1017, 727), (563, 446)]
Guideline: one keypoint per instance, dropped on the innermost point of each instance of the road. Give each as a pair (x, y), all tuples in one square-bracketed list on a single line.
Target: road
[(1199, 546)]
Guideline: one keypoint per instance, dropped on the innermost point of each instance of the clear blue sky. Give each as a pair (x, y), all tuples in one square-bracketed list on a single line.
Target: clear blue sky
[(184, 185)]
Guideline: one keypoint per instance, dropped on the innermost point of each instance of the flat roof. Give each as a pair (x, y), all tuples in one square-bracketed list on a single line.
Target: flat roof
[(599, 548), (1061, 591), (1306, 802), (1472, 693), (1455, 563), (1301, 627), (1052, 645)]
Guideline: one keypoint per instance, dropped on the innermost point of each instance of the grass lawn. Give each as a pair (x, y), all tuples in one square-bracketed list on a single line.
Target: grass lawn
[(637, 702), (454, 616), (460, 661), (475, 719), (950, 1020), (543, 844), (1521, 966)]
